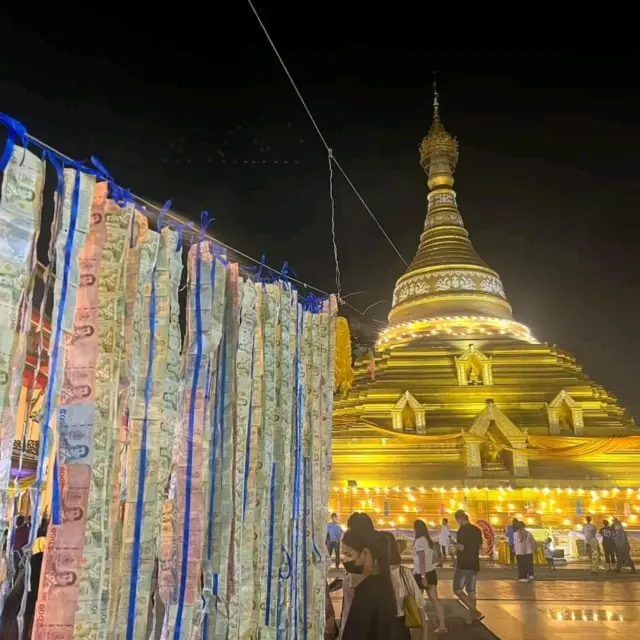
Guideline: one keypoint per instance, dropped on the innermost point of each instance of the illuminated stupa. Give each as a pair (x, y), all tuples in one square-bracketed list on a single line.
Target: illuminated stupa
[(462, 405)]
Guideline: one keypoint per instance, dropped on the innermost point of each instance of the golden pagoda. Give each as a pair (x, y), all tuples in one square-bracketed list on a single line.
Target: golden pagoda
[(462, 407)]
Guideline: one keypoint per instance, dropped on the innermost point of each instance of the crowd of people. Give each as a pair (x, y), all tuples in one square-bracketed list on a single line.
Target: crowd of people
[(382, 599)]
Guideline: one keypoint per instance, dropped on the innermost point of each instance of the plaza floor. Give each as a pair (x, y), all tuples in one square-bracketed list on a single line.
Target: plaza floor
[(565, 604)]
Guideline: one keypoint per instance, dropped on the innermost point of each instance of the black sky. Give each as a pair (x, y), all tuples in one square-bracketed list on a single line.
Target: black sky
[(197, 109)]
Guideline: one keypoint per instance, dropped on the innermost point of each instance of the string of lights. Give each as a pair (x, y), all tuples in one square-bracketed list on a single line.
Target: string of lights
[(320, 135)]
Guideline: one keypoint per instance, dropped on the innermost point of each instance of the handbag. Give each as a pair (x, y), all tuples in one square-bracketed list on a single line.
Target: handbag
[(413, 618)]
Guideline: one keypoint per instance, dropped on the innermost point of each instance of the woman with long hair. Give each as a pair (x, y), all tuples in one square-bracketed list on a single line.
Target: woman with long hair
[(424, 569), (373, 610), (403, 585), (360, 523), (525, 547)]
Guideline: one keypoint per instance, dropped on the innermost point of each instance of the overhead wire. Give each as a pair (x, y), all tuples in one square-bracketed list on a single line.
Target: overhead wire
[(319, 132), (153, 209), (333, 230)]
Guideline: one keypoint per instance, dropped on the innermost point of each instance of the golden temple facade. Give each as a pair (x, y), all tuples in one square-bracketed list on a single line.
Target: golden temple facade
[(462, 407)]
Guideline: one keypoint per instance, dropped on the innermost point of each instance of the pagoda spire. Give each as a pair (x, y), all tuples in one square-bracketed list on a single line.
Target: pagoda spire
[(446, 277)]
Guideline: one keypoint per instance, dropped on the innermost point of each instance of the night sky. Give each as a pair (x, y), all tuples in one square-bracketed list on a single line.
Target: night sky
[(198, 109)]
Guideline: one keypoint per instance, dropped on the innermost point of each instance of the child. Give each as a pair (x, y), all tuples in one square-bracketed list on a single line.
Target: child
[(548, 554)]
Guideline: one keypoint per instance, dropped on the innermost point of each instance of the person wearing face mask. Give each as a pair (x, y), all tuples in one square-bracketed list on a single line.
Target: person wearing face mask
[(374, 609), (362, 524)]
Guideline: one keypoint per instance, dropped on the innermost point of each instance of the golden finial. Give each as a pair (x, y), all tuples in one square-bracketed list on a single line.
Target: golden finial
[(436, 102), (438, 142)]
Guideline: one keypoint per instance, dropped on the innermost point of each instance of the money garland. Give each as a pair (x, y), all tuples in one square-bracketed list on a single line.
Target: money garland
[(192, 482), (20, 208), (70, 387)]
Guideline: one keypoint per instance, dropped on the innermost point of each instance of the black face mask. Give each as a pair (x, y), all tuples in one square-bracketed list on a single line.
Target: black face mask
[(351, 567)]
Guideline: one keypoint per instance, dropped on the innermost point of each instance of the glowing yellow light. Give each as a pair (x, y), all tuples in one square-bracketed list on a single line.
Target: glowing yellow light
[(381, 521), (633, 517), (397, 489), (543, 505), (401, 518), (406, 508), (495, 520), (624, 524), (366, 490), (604, 493), (580, 492), (386, 489), (392, 524), (377, 510), (566, 522), (345, 490), (511, 506), (421, 489), (411, 498), (519, 516), (545, 490), (558, 510), (432, 523), (455, 489), (336, 488), (530, 520)]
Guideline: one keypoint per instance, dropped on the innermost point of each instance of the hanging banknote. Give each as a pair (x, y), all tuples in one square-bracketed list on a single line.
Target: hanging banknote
[(70, 384), (20, 209)]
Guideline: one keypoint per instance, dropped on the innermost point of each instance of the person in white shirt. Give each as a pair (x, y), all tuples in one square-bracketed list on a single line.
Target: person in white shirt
[(424, 569), (445, 540), (589, 532), (403, 585)]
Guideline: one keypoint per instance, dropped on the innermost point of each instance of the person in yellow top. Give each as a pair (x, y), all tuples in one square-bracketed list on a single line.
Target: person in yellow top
[(41, 538)]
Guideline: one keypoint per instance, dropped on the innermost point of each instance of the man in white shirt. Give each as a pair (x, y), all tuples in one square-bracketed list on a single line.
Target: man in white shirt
[(589, 532), (445, 540)]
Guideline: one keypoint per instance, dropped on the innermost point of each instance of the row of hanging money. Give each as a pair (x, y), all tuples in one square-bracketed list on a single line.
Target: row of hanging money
[(193, 476)]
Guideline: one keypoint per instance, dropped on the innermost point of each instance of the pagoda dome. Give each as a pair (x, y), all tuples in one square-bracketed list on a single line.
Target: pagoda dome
[(446, 278)]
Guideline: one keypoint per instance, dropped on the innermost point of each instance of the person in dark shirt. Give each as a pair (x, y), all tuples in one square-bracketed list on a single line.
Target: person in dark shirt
[(468, 545), (608, 544), (374, 608), (21, 534)]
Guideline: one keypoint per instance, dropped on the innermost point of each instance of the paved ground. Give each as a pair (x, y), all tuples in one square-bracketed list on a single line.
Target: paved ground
[(570, 603)]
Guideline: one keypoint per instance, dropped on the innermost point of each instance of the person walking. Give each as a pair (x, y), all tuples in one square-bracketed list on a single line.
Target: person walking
[(444, 540), (424, 569), (334, 534), (524, 546), (589, 532), (465, 578), (623, 549), (374, 607), (360, 523), (403, 585), (608, 545), (511, 529)]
